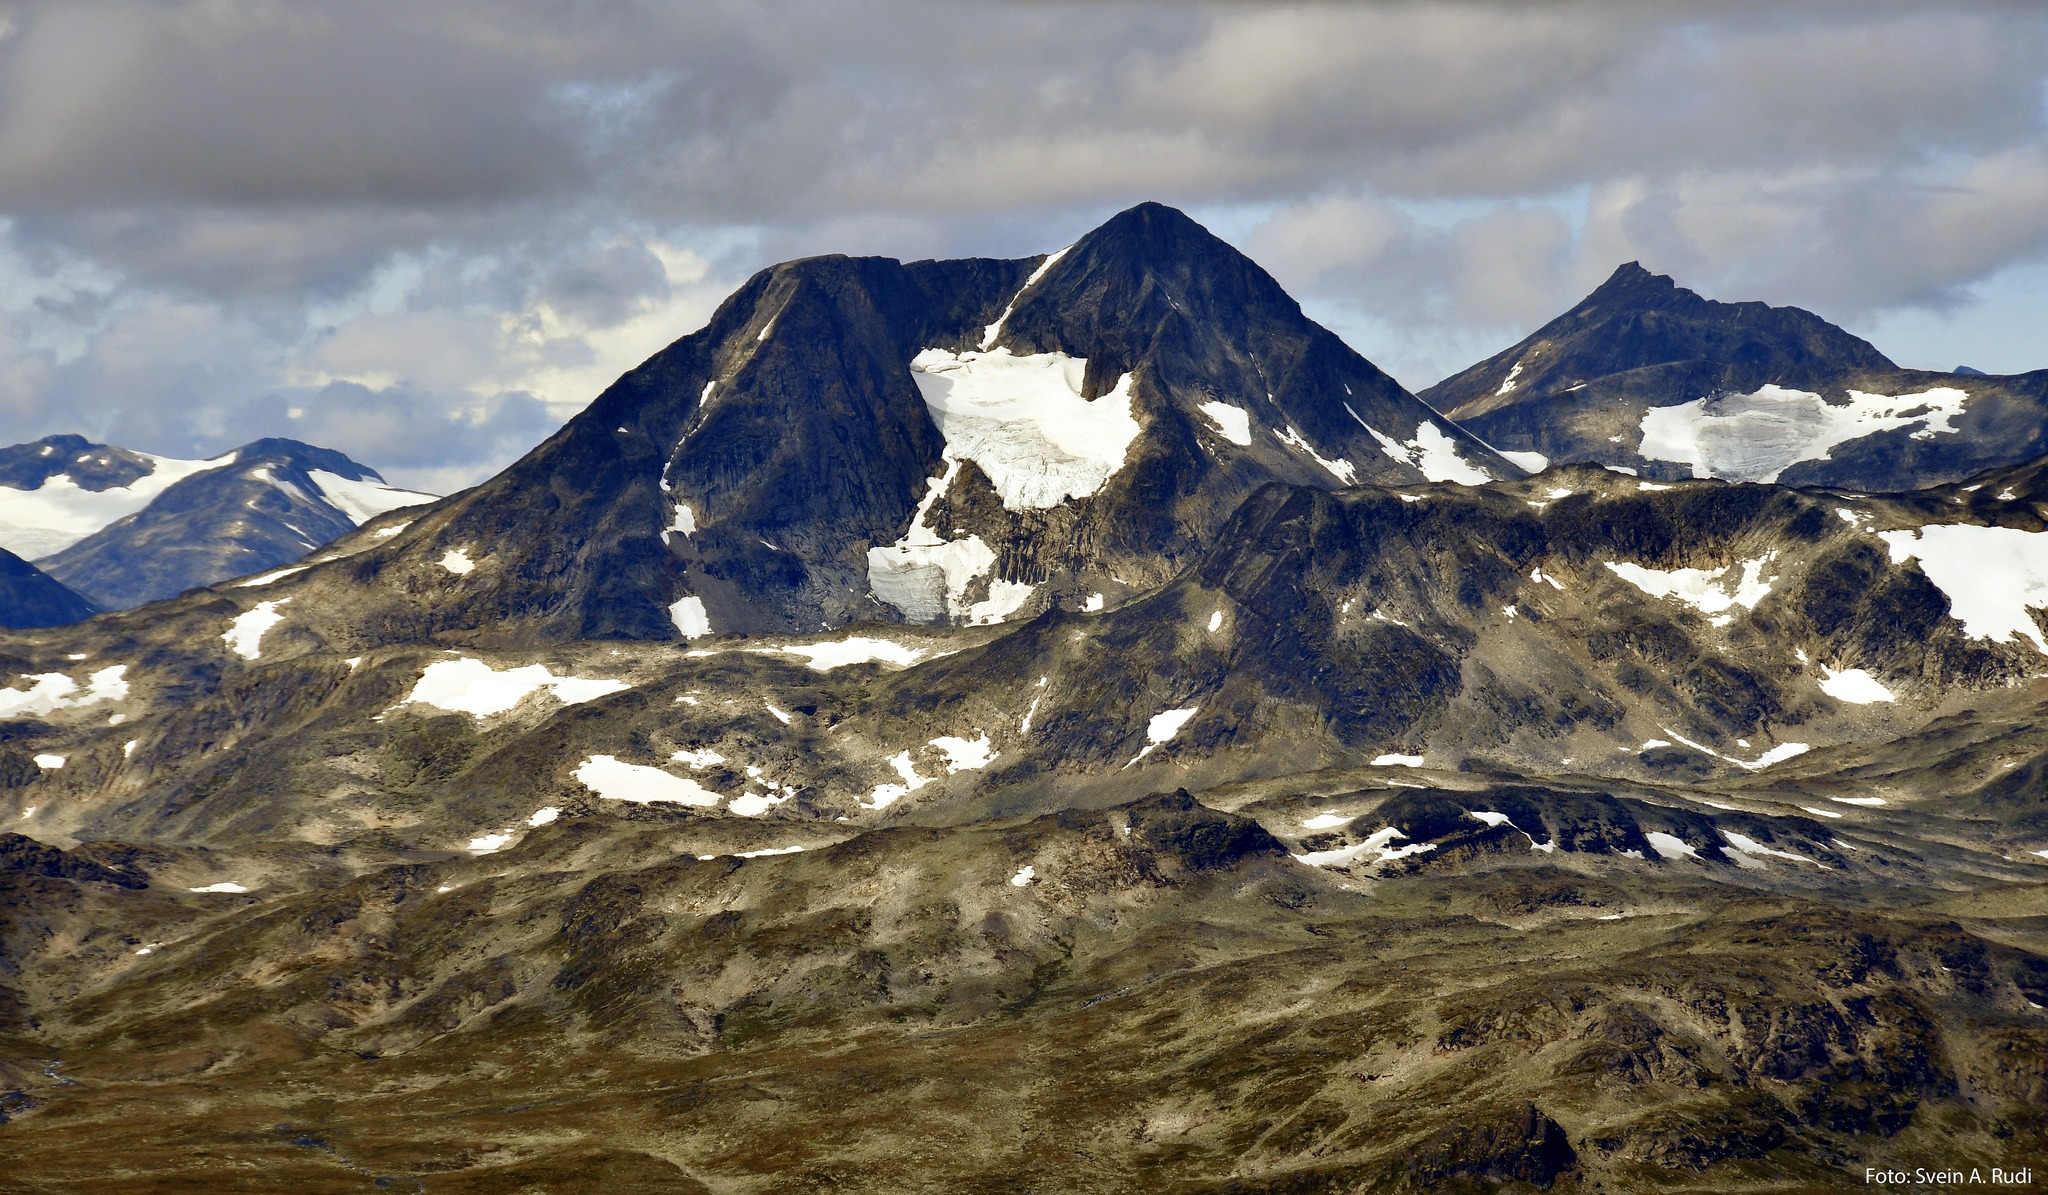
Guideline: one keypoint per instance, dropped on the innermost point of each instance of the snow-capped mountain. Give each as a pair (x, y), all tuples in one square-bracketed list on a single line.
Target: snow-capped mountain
[(124, 528), (1646, 375), (856, 439), (1380, 826), (30, 597)]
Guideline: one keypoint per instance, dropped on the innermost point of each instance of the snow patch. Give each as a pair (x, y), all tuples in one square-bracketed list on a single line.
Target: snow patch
[(1004, 599), (1340, 468), (1093, 604), (53, 691), (856, 649), (1670, 846), (1530, 462), (1493, 820), (886, 795), (46, 520), (457, 561), (267, 578), (1431, 452), (989, 334), (49, 762), (1023, 420), (1854, 686), (1391, 760), (226, 886), (1756, 436), (1233, 423), (364, 500), (1710, 591), (690, 617), (1866, 802), (470, 686), (1215, 621), (612, 780), (1162, 728), (244, 635), (966, 754), (1992, 575), (1508, 383), (1329, 821), (1024, 876), (1380, 845)]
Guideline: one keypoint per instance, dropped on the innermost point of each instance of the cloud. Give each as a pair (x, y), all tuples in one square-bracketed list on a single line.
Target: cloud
[(211, 203)]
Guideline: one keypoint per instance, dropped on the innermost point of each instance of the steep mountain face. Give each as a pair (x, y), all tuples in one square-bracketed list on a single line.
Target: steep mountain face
[(29, 597), (1576, 831), (1646, 375), (265, 505), (951, 442)]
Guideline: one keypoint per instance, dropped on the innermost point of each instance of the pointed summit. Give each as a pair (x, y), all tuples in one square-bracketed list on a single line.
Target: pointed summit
[(1782, 384), (859, 439)]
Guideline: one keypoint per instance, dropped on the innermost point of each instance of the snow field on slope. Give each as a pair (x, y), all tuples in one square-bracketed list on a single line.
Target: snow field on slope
[(245, 631), (362, 501), (1992, 575), (1853, 685), (1232, 423), (470, 686), (1023, 420), (49, 691), (1710, 591), (1432, 453), (1757, 436), (613, 780), (59, 513)]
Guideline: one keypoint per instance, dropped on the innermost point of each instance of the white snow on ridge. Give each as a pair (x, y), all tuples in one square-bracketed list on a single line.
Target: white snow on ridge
[(267, 578), (1756, 436), (1233, 423), (1854, 686), (1531, 462), (1329, 821), (59, 513), (364, 500), (245, 632), (1023, 420), (855, 649), (1004, 599), (1380, 845), (612, 780), (469, 686), (1431, 452), (1992, 575), (1710, 591), (229, 886), (1391, 760), (1341, 469), (923, 574), (1508, 383), (989, 334)]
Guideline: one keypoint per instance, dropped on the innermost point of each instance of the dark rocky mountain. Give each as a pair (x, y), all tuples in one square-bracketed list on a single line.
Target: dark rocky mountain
[(30, 597), (1572, 832), (1646, 375), (264, 506), (952, 441)]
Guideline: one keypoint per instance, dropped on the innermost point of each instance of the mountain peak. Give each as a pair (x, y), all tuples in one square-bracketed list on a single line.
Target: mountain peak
[(1632, 282)]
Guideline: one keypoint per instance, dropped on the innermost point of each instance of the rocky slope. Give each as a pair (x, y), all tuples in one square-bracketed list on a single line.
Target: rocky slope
[(1573, 832), (956, 442), (1649, 376), (30, 597)]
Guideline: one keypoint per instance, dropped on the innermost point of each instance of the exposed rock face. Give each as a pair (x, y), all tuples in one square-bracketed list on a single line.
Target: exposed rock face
[(30, 597), (956, 441), (1650, 376)]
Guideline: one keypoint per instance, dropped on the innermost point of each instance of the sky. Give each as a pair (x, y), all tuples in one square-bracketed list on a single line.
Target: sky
[(426, 234)]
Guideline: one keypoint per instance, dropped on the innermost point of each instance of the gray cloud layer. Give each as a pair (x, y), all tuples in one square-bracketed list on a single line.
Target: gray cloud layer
[(432, 230)]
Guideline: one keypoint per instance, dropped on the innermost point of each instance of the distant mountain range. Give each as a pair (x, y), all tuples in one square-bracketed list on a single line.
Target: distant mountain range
[(122, 528), (1066, 717), (1648, 376)]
